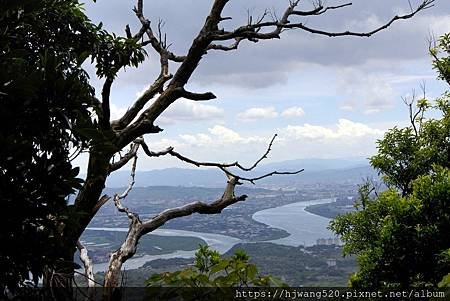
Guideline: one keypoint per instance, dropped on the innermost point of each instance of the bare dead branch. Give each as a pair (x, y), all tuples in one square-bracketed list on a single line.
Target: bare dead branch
[(215, 207), (144, 124), (225, 18), (197, 96), (222, 166), (156, 44), (88, 267), (233, 46), (119, 197), (100, 203), (125, 159), (205, 40), (129, 246), (166, 89), (319, 9), (264, 156), (413, 111), (139, 104), (172, 152), (249, 31), (253, 180), (137, 228)]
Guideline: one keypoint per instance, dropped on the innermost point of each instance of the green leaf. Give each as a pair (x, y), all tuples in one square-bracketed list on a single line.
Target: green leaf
[(218, 267)]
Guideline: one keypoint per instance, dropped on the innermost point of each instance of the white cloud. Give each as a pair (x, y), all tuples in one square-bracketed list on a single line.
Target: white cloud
[(345, 128), (220, 137), (293, 112), (308, 131), (254, 114), (188, 110), (116, 111), (217, 135), (164, 143), (225, 134), (346, 138), (199, 139), (356, 129), (182, 110)]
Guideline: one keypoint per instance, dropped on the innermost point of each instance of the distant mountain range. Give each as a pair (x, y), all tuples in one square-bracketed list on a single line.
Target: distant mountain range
[(316, 171)]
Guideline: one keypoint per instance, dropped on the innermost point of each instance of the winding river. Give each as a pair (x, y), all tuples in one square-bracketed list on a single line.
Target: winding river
[(304, 228), (219, 242)]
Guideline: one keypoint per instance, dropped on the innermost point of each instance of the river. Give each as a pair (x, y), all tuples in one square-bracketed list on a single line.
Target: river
[(304, 228), (219, 242)]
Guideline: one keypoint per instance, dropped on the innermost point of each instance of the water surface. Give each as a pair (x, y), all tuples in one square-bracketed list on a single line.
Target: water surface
[(304, 227)]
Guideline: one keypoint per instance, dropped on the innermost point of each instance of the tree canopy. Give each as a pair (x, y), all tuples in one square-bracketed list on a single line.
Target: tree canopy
[(44, 95), (210, 272), (48, 108), (401, 235)]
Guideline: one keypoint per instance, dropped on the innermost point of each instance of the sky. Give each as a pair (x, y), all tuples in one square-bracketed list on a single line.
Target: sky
[(324, 97)]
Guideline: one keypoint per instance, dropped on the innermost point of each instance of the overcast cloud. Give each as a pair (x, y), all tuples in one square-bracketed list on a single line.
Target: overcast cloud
[(326, 97)]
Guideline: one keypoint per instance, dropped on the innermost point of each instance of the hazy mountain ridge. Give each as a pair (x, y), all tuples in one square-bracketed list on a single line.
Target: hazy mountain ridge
[(316, 171)]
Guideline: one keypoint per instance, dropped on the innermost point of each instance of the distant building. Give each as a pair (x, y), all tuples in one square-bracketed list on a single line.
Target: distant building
[(328, 241), (331, 262)]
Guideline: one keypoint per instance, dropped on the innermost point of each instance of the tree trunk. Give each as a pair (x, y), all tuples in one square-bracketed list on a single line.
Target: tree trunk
[(111, 283), (89, 195), (85, 207), (126, 250)]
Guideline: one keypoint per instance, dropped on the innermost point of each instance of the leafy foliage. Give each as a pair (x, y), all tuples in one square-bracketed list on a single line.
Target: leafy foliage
[(399, 240), (213, 271), (49, 114), (44, 95), (112, 53), (401, 235), (440, 53), (405, 154)]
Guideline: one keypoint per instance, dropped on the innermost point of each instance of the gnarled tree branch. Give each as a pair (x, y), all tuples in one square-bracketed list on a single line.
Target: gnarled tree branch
[(88, 268), (197, 96), (172, 152), (126, 158), (156, 44), (138, 228), (206, 40), (128, 248), (228, 198), (231, 47), (250, 31)]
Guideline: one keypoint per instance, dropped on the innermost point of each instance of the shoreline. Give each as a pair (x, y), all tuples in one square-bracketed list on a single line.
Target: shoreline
[(220, 242)]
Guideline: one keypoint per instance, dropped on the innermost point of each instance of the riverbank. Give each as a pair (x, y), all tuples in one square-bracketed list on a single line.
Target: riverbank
[(305, 228), (300, 226), (219, 242), (330, 210), (298, 266)]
